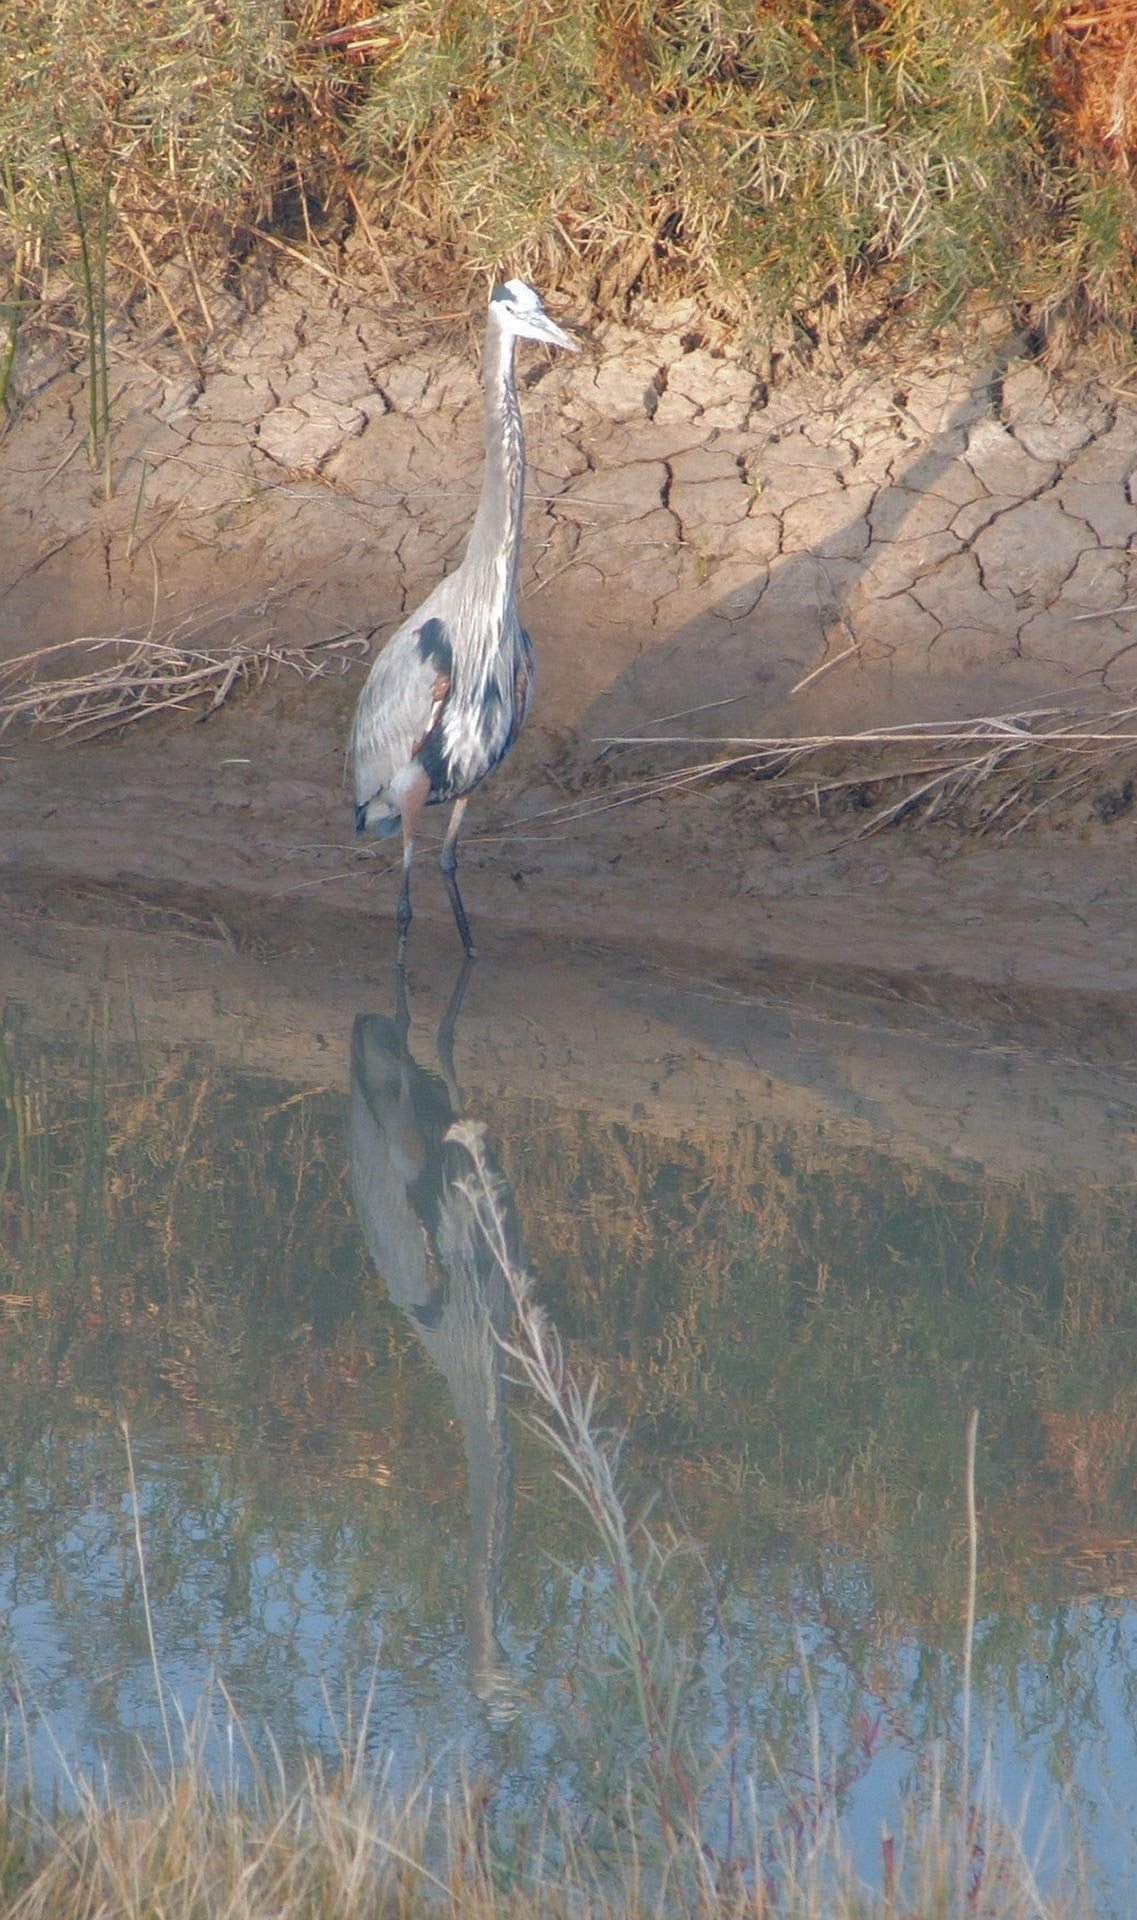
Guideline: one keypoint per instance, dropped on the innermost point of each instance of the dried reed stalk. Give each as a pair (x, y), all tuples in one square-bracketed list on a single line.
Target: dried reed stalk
[(1033, 745), (144, 678)]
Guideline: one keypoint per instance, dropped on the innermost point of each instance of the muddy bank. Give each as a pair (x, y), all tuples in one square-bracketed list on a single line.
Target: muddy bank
[(931, 535)]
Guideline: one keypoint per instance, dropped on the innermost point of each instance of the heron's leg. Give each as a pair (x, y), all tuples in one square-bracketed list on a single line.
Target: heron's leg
[(403, 914), (448, 861), (402, 1006), (412, 802)]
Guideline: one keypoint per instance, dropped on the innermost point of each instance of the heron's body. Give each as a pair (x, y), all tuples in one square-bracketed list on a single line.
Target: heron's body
[(448, 694)]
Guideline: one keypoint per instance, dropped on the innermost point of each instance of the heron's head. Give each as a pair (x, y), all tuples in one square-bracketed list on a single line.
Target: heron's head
[(518, 310)]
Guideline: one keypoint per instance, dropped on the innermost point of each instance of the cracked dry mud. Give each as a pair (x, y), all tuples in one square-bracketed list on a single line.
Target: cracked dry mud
[(928, 539)]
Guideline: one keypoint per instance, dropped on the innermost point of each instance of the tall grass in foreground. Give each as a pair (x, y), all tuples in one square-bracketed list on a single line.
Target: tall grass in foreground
[(339, 1844), (213, 1831)]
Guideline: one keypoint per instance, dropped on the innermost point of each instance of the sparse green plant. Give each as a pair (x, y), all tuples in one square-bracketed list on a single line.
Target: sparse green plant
[(19, 1134), (142, 143), (773, 158), (17, 303), (771, 155), (93, 277)]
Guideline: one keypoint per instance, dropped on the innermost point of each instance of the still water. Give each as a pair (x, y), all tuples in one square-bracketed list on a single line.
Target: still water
[(796, 1234)]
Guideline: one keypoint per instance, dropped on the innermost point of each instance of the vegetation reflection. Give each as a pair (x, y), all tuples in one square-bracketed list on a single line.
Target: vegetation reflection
[(791, 1329)]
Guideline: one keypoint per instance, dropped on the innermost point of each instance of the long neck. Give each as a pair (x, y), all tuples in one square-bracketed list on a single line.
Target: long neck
[(493, 549)]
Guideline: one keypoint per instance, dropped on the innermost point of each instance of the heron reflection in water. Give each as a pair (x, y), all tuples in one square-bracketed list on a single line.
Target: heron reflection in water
[(410, 1168)]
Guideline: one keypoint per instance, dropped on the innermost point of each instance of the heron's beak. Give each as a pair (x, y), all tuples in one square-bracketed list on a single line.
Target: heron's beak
[(538, 326)]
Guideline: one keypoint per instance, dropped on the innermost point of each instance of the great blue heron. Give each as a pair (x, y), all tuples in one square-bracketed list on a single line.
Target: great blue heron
[(449, 692)]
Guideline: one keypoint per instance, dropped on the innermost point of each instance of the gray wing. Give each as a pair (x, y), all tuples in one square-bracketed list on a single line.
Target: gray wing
[(401, 701)]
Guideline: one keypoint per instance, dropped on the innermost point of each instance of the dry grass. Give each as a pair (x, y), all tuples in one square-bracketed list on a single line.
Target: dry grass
[(1093, 53), (340, 1845), (121, 681), (337, 1842), (1011, 765)]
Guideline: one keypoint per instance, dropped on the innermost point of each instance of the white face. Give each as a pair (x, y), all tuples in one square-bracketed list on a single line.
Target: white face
[(518, 308)]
